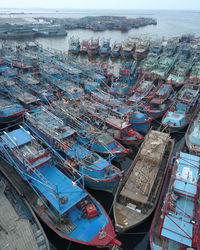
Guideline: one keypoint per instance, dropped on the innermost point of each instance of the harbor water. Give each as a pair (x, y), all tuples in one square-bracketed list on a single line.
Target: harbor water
[(169, 24)]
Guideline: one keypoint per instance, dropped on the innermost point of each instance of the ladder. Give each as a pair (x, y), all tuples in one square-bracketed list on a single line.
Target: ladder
[(83, 209)]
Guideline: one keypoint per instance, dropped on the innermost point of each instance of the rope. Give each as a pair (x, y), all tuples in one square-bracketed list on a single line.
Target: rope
[(69, 245)]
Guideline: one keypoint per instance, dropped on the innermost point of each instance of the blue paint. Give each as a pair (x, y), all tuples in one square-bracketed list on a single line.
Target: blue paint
[(52, 184), (53, 130)]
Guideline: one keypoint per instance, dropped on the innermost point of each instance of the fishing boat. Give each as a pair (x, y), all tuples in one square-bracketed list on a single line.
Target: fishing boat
[(138, 118), (170, 48), (155, 48), (163, 67), (20, 228), (138, 193), (161, 101), (119, 89), (89, 85), (92, 71), (42, 90), (176, 221), (58, 199), (141, 50), (97, 26), (12, 89), (128, 68), (146, 66), (128, 47), (192, 135), (194, 76), (116, 49), (74, 45), (28, 100), (140, 91), (6, 83), (51, 31), (110, 121), (181, 111), (2, 61), (124, 26), (179, 73), (184, 52), (69, 89), (22, 65), (84, 47), (10, 110), (88, 135), (50, 72), (98, 172), (93, 48), (105, 48), (7, 71), (68, 70), (108, 71), (31, 46), (32, 59)]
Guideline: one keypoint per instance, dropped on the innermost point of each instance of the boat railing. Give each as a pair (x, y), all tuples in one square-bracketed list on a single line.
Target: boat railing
[(27, 176), (75, 123), (79, 176), (33, 157), (61, 159)]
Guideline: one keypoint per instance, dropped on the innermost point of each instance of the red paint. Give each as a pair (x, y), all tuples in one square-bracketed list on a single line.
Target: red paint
[(91, 211)]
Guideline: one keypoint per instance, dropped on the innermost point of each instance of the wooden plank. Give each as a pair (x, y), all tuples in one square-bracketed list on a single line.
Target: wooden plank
[(145, 169)]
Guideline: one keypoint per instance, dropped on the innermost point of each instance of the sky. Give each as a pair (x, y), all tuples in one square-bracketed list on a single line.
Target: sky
[(103, 4)]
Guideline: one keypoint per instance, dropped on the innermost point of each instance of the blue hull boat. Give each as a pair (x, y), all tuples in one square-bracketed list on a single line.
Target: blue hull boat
[(116, 49), (180, 113), (89, 136), (138, 118), (112, 122), (11, 88), (98, 172), (10, 111), (37, 88), (59, 200), (105, 48), (160, 101), (192, 135), (74, 45), (176, 221)]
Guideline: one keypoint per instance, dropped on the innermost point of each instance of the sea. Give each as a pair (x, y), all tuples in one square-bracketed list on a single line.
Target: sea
[(170, 23)]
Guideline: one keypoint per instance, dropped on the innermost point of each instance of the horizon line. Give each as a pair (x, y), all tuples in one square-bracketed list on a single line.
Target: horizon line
[(64, 8)]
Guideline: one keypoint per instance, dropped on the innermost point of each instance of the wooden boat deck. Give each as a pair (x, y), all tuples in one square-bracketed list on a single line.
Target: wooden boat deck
[(142, 179), (138, 193), (16, 233)]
